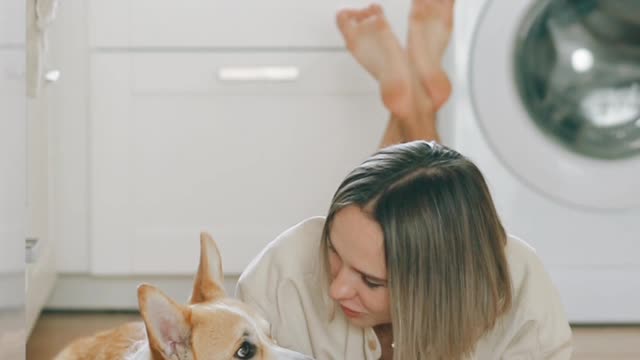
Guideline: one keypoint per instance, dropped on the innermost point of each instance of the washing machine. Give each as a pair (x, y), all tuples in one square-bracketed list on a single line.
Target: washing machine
[(547, 104)]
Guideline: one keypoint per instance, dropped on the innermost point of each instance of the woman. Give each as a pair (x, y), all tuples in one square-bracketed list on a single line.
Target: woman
[(411, 261)]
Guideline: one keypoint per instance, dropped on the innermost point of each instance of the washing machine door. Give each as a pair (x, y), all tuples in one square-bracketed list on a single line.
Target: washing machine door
[(556, 88)]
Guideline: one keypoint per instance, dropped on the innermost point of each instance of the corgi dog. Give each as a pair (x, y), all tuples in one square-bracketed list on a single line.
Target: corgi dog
[(211, 327)]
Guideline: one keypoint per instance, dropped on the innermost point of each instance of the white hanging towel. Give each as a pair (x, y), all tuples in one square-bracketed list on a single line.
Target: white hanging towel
[(40, 16)]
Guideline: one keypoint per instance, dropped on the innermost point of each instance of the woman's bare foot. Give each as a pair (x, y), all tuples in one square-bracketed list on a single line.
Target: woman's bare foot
[(430, 25), (370, 40)]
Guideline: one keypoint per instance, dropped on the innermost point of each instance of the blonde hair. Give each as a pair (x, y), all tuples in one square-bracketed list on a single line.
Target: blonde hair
[(448, 275)]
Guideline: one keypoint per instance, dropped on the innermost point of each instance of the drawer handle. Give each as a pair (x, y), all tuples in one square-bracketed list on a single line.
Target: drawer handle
[(259, 73), (51, 76)]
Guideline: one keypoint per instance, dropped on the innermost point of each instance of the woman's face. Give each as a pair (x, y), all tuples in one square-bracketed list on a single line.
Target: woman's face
[(358, 270)]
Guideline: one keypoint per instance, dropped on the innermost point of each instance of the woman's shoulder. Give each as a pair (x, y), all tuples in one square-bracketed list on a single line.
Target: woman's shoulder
[(536, 325), (535, 296), (304, 237), (292, 255), (519, 249), (528, 273), (284, 283), (523, 260), (298, 244)]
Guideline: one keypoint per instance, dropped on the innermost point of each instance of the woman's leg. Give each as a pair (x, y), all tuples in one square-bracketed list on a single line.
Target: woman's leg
[(370, 40), (430, 25), (393, 134), (413, 87)]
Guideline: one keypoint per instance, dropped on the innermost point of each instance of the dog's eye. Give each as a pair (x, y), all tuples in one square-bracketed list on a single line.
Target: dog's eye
[(246, 351)]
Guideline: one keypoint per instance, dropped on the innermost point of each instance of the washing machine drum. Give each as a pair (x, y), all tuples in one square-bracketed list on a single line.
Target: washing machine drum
[(556, 89)]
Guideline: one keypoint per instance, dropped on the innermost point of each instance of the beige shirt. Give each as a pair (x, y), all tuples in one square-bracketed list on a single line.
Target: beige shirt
[(285, 283)]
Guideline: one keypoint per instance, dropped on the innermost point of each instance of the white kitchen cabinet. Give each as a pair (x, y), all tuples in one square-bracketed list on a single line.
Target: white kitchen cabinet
[(41, 270), (177, 147), (41, 78), (240, 118), (24, 193), (13, 190), (12, 197), (69, 137), (24, 169), (13, 165), (124, 60)]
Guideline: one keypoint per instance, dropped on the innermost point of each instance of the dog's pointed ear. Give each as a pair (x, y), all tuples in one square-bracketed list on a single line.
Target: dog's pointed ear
[(209, 281), (167, 323)]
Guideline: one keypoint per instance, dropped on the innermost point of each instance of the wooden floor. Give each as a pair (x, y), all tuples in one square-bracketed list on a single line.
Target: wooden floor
[(54, 330)]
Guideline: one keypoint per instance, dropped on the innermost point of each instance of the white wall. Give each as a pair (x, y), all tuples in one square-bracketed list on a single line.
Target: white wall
[(12, 178)]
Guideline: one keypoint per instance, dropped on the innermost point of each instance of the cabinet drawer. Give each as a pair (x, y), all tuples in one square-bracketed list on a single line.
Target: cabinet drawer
[(222, 23), (177, 154), (252, 73)]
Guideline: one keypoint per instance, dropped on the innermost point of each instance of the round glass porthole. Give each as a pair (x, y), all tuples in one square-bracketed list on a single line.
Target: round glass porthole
[(577, 67)]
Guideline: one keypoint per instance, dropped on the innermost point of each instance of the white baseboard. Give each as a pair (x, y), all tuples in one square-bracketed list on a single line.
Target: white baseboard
[(40, 279), (86, 292)]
